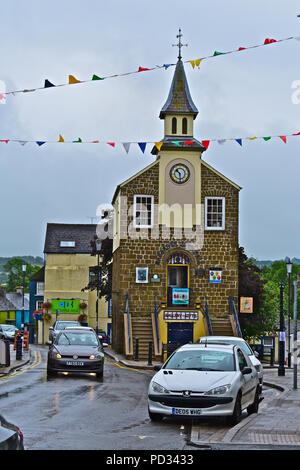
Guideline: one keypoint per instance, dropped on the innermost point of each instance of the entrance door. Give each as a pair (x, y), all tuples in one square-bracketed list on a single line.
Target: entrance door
[(179, 334), (177, 278)]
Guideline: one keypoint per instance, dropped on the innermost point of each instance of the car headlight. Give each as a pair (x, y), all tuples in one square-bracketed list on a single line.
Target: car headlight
[(219, 390), (258, 368), (158, 388), (58, 356)]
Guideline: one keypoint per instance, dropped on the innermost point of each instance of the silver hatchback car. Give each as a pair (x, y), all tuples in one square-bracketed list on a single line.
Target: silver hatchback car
[(205, 380)]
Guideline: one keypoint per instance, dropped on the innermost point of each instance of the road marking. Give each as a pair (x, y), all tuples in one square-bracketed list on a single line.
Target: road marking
[(37, 360)]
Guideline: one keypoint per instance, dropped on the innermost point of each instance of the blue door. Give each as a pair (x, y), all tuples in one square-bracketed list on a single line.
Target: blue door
[(180, 333)]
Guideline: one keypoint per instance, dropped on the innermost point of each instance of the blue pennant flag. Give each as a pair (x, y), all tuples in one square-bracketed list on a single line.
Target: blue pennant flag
[(48, 84), (142, 146), (239, 141), (40, 143)]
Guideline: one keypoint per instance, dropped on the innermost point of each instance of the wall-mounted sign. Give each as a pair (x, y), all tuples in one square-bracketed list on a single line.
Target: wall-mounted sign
[(180, 296), (246, 305), (215, 276), (170, 315), (141, 275), (65, 305)]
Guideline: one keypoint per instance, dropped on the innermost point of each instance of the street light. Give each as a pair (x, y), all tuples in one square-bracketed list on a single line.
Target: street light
[(23, 290), (281, 348), (96, 245), (289, 267)]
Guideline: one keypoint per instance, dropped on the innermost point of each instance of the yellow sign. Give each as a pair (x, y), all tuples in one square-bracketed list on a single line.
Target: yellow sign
[(246, 305), (25, 340)]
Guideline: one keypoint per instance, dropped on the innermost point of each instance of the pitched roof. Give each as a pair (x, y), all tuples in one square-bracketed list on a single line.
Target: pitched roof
[(39, 275), (80, 234), (16, 300), (179, 100)]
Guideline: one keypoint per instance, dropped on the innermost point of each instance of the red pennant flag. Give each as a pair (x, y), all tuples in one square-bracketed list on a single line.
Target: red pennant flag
[(268, 41), (142, 69), (95, 142), (283, 137), (111, 143), (5, 140), (205, 143), (298, 133), (189, 142), (241, 48)]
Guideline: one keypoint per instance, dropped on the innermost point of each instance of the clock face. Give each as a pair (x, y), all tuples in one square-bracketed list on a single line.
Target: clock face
[(179, 173)]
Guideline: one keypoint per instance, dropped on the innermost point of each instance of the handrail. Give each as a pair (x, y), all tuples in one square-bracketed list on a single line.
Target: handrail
[(233, 311), (155, 326), (127, 329), (207, 318), (128, 322)]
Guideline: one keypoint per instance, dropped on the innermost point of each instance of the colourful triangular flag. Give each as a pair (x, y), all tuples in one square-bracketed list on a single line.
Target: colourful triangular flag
[(61, 139), (252, 138), (23, 142), (205, 143), (269, 41), (176, 142), (95, 77), (283, 138), (218, 53), (166, 66), (72, 80), (40, 143), (221, 141), (198, 62), (241, 48), (239, 141), (192, 62), (266, 138), (142, 146), (5, 140), (48, 84), (189, 142), (158, 145), (95, 141), (79, 140), (298, 133), (142, 69), (112, 144), (126, 146)]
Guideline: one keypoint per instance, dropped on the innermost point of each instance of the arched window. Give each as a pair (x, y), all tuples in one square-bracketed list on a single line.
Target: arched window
[(184, 125), (178, 258), (174, 125)]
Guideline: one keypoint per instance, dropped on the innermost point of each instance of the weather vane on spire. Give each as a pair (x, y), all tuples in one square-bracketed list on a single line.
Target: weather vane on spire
[(179, 45)]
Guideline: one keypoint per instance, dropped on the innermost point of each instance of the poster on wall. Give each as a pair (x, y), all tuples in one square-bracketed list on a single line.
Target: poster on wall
[(215, 276), (65, 305), (246, 305), (141, 275), (180, 296)]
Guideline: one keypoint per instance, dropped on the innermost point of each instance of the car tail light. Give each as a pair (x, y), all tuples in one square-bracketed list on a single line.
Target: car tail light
[(19, 432)]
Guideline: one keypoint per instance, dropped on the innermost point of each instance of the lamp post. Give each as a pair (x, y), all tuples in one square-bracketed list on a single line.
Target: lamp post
[(98, 243), (289, 267), (281, 370), (23, 292)]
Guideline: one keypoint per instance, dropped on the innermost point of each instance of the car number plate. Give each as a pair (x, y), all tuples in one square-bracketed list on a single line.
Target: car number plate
[(186, 411), (75, 363)]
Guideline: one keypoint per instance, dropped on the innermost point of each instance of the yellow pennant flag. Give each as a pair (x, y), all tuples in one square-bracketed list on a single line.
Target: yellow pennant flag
[(158, 145), (252, 138), (72, 79), (192, 62), (198, 62), (61, 139)]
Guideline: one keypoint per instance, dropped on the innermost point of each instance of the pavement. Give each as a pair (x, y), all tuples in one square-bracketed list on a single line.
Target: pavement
[(275, 426)]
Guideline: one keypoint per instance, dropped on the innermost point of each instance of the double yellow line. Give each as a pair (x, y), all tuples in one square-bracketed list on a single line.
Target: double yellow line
[(36, 362)]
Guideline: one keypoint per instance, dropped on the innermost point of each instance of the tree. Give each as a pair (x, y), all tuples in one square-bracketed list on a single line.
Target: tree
[(13, 268), (101, 277), (251, 284)]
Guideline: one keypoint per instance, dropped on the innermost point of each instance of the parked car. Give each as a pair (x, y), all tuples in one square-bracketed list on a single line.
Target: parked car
[(8, 332), (103, 338), (11, 437), (60, 325), (204, 380), (244, 346), (75, 349)]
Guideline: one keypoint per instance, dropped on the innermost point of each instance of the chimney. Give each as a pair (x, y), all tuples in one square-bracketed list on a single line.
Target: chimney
[(19, 290), (2, 292)]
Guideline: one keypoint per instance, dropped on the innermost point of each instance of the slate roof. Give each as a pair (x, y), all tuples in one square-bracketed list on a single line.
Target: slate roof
[(39, 275), (179, 100), (17, 300), (81, 234)]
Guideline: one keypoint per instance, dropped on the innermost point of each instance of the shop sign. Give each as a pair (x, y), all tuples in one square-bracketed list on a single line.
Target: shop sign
[(215, 276), (25, 340), (172, 315), (65, 305)]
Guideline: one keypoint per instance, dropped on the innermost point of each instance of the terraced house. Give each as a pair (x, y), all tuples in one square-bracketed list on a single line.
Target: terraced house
[(175, 250)]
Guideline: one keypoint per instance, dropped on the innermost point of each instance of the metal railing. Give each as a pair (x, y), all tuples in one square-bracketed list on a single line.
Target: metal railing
[(233, 312), (207, 317)]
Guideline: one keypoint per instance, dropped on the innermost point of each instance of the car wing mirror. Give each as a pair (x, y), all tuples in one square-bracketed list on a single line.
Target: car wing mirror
[(157, 368), (49, 343), (246, 370)]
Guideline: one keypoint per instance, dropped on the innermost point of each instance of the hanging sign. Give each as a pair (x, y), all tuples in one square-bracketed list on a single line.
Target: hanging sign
[(246, 305), (215, 276), (65, 306), (180, 296)]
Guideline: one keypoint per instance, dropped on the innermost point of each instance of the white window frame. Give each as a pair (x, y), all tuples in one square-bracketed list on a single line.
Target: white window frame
[(134, 210), (223, 212), (38, 304), (40, 288)]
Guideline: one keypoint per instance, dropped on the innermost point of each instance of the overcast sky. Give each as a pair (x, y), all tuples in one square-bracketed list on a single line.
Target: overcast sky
[(237, 95)]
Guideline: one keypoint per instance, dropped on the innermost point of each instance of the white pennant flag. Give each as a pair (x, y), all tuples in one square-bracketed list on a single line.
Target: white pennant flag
[(221, 141), (22, 142), (126, 146)]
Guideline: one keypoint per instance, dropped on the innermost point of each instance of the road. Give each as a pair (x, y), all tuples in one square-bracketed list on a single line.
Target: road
[(85, 413)]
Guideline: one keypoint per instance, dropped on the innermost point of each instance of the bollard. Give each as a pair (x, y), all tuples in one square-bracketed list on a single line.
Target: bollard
[(272, 357), (150, 354), (19, 348), (136, 356)]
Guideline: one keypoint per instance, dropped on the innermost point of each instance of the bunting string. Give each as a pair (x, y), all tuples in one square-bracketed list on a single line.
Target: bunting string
[(142, 145), (72, 80)]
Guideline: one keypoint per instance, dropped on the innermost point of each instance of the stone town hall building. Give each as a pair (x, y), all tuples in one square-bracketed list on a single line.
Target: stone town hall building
[(175, 250)]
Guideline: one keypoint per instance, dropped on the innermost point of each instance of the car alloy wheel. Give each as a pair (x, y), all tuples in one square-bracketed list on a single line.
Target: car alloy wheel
[(155, 416), (236, 416)]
